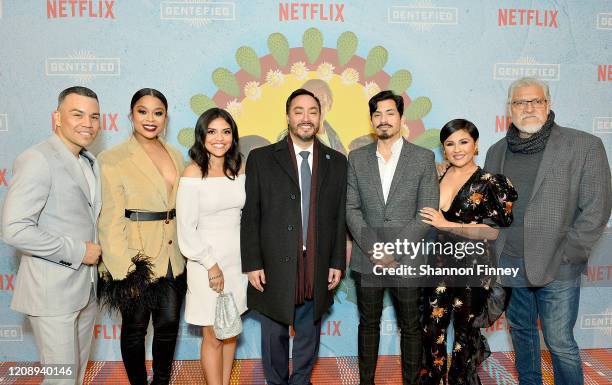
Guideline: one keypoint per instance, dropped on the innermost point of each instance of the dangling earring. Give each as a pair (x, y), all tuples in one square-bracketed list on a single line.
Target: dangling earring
[(476, 152)]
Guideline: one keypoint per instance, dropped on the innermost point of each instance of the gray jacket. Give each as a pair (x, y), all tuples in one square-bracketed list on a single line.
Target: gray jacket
[(414, 186), (48, 216), (569, 206)]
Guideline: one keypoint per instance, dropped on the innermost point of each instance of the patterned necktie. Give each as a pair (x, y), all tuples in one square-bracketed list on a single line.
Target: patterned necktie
[(306, 176)]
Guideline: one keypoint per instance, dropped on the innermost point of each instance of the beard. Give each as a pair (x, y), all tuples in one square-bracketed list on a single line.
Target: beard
[(383, 134), (306, 137), (529, 129)]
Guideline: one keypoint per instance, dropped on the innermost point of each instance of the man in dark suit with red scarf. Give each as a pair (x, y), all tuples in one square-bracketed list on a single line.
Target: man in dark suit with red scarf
[(293, 239)]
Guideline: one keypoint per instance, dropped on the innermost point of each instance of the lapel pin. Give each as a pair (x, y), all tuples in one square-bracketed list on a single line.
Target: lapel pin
[(327, 157)]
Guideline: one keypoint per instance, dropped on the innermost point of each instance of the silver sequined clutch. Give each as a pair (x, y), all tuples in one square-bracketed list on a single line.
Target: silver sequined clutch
[(227, 319)]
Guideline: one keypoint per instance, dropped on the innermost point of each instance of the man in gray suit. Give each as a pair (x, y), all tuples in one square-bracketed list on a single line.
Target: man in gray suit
[(50, 216), (389, 181), (563, 181)]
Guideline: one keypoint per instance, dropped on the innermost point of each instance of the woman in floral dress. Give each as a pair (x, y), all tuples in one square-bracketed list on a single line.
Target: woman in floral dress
[(472, 203)]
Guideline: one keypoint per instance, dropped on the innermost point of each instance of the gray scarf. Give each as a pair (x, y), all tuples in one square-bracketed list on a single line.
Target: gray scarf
[(535, 143)]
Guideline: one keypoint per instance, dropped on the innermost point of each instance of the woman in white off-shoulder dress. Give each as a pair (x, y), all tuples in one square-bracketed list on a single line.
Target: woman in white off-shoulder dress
[(208, 204)]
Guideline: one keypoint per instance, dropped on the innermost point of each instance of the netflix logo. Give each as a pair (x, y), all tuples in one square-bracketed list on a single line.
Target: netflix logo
[(95, 9), (502, 123), (7, 280), (599, 273), (311, 12), (604, 72), (108, 122), (3, 180), (107, 332), (499, 325), (331, 328), (543, 18)]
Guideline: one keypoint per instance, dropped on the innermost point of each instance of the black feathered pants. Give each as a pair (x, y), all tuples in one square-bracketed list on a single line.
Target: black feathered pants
[(166, 315)]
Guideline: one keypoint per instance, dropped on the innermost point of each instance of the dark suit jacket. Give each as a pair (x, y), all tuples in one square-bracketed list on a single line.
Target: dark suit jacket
[(569, 206), (270, 227)]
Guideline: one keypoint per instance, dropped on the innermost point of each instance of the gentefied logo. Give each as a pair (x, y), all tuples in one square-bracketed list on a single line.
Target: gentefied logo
[(512, 71), (3, 122), (401, 14), (502, 123), (604, 72), (83, 66), (66, 66), (604, 21), (80, 8), (11, 333), (602, 125), (108, 121), (198, 10), (311, 12), (596, 321), (388, 328), (545, 18)]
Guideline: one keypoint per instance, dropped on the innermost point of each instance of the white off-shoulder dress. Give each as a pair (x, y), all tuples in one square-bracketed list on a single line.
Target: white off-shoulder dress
[(208, 226)]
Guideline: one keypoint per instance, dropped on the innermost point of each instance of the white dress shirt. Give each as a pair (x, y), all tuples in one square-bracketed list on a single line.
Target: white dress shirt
[(299, 159), (386, 169)]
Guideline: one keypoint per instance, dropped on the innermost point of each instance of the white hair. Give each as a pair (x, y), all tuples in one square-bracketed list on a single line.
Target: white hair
[(526, 81)]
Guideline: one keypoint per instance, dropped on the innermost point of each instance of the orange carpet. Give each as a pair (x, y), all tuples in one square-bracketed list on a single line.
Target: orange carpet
[(497, 370)]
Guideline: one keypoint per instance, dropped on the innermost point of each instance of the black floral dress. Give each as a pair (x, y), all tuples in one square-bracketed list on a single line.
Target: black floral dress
[(484, 198)]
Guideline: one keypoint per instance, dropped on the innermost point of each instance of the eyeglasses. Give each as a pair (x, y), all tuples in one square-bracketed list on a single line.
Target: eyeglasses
[(536, 103)]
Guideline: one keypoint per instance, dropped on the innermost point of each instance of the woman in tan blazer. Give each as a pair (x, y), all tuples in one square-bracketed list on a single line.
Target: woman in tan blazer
[(142, 269)]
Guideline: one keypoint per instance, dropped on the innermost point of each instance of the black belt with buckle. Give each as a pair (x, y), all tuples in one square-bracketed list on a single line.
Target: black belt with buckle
[(134, 215)]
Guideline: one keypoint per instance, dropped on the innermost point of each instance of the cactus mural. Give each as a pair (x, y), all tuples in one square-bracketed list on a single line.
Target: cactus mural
[(255, 94)]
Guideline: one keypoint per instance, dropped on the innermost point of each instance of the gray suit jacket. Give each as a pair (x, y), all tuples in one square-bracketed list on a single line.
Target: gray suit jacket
[(414, 186), (48, 216), (569, 206)]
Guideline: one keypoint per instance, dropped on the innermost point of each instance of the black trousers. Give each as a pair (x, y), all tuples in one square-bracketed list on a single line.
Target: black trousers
[(275, 347), (165, 311), (370, 305)]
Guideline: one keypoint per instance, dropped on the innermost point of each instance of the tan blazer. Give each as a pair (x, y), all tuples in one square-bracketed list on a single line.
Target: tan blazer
[(130, 180)]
